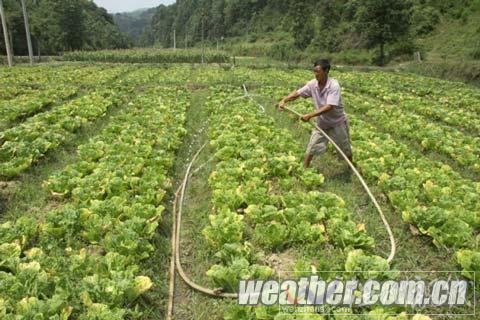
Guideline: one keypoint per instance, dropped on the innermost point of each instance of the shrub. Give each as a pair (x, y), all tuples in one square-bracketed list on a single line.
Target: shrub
[(424, 19), (284, 50), (475, 52)]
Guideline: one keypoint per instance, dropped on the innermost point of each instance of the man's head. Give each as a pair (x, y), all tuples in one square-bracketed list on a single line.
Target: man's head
[(321, 68)]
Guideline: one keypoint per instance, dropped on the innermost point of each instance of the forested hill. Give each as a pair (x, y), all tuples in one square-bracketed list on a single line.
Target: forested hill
[(354, 31), (62, 25), (134, 23), (399, 27)]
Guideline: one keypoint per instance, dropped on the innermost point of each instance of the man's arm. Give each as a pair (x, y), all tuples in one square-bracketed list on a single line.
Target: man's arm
[(317, 112), (292, 96)]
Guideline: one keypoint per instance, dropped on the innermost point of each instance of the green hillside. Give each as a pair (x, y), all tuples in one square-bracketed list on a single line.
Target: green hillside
[(452, 49), (454, 38), (60, 25), (134, 23), (354, 32)]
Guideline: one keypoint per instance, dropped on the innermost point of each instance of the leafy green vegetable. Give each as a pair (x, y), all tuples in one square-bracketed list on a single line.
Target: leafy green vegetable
[(345, 233), (228, 277), (368, 266), (470, 262), (272, 235), (226, 227)]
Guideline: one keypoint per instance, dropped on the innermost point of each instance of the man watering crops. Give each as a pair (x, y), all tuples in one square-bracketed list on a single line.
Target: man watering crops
[(329, 112)]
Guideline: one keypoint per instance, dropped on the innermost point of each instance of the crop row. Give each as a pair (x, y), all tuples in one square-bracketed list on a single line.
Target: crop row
[(83, 259), (270, 76), (30, 82), (36, 77), (449, 112), (17, 76), (265, 201), (463, 149), (26, 143), (445, 93), (12, 91), (163, 75), (25, 105), (193, 76), (429, 194), (55, 91)]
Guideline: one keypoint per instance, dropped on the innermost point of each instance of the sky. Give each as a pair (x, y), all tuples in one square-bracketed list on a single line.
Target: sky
[(114, 6)]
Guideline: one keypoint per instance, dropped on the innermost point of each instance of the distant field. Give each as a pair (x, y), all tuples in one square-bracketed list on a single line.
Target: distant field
[(91, 155), (149, 56)]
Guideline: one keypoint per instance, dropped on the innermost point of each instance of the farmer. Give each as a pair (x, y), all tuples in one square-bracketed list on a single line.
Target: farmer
[(331, 117)]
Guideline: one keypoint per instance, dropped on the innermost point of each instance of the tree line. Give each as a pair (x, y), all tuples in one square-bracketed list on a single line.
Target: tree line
[(326, 25), (310, 25), (61, 25)]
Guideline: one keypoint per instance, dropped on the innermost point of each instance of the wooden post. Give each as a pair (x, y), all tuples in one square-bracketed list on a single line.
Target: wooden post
[(38, 50), (5, 35), (418, 56), (27, 31), (203, 40), (174, 40)]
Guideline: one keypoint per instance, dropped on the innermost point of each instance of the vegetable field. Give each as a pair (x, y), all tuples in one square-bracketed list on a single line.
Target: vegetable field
[(91, 156)]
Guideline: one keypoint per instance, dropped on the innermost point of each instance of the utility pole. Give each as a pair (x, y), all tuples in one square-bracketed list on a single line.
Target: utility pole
[(203, 40), (36, 38), (174, 40), (27, 31), (5, 35)]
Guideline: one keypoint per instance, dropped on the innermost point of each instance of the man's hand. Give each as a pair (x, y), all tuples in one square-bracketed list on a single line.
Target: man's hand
[(306, 117), (292, 96)]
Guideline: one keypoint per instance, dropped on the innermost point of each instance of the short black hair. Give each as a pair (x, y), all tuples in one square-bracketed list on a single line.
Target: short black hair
[(324, 63)]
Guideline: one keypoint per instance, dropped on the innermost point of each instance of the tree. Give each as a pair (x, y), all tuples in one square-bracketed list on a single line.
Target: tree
[(72, 22), (132, 24), (380, 22), (60, 25), (27, 30), (162, 25), (5, 33), (302, 24), (329, 26)]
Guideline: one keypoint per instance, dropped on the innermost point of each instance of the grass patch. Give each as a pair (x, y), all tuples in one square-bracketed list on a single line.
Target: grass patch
[(153, 303), (465, 71), (196, 256)]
